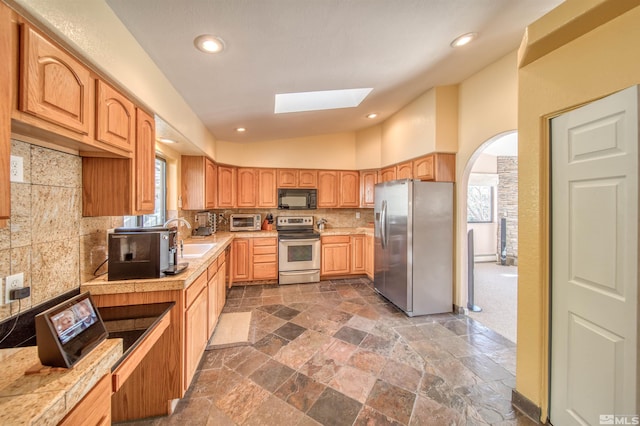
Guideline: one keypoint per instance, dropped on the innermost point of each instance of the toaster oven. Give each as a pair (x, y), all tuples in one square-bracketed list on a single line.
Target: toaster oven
[(245, 222)]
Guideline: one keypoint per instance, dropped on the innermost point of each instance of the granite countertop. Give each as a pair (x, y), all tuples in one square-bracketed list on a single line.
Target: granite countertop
[(197, 266), (44, 399), (347, 231)]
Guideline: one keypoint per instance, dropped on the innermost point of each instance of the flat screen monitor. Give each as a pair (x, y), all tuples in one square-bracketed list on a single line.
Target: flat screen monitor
[(68, 331)]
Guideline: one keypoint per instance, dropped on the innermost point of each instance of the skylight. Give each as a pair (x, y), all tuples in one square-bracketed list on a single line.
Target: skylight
[(315, 101)]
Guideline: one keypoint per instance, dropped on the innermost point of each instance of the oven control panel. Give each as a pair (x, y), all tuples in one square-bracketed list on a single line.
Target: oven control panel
[(294, 221)]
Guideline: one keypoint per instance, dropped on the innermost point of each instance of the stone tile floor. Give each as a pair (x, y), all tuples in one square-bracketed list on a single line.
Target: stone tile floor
[(337, 353)]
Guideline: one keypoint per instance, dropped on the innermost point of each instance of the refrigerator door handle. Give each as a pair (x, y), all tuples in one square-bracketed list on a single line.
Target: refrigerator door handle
[(383, 224)]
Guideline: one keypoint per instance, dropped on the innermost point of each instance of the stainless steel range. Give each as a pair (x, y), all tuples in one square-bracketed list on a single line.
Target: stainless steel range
[(298, 250)]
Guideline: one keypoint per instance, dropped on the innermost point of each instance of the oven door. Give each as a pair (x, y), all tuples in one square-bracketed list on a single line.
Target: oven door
[(299, 254)]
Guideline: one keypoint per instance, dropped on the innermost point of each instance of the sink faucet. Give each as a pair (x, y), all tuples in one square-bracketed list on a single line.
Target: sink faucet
[(178, 219)]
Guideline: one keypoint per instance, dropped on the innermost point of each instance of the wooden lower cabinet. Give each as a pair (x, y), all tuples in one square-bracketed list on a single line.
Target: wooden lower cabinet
[(212, 296), (196, 334), (94, 409), (255, 259), (336, 255), (221, 285), (369, 254), (357, 254), (346, 255)]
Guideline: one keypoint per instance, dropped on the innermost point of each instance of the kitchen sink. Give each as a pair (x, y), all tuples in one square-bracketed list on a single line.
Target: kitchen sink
[(191, 251)]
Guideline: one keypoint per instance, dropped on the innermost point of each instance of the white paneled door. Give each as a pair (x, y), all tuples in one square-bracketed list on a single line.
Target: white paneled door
[(594, 263)]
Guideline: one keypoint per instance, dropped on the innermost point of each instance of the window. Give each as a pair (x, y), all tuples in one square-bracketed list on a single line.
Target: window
[(158, 217), (480, 204)]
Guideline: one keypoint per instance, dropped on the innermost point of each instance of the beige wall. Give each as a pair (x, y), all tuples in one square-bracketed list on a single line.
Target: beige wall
[(569, 62), (368, 148), (334, 151), (487, 109)]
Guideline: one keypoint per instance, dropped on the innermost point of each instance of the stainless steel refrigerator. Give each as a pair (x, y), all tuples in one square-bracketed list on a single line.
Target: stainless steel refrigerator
[(414, 245)]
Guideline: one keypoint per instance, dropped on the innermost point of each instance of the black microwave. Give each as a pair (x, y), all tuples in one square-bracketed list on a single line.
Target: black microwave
[(297, 198)]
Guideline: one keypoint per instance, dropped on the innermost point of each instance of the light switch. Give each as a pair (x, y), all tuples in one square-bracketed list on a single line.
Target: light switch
[(17, 169)]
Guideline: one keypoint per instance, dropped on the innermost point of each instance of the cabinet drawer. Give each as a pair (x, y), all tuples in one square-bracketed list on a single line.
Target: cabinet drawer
[(212, 269), (334, 239), (265, 271), (264, 258), (259, 250), (222, 258), (265, 242), (194, 289)]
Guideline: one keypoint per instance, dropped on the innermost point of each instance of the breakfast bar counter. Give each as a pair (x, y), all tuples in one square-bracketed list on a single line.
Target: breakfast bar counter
[(46, 398)]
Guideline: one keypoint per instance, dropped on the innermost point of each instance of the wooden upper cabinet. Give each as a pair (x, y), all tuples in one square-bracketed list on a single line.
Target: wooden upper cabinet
[(226, 186), (198, 180), (54, 86), (307, 178), (423, 168), (297, 178), (287, 178), (404, 170), (368, 180), (247, 187), (115, 117), (5, 113), (267, 196), (349, 193), (210, 184), (387, 174), (438, 167), (328, 183), (145, 163)]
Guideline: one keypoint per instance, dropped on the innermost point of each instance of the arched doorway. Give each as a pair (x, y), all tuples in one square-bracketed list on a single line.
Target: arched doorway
[(490, 207)]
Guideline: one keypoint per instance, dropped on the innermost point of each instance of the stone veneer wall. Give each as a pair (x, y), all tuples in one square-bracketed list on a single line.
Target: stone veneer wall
[(508, 204), (47, 238)]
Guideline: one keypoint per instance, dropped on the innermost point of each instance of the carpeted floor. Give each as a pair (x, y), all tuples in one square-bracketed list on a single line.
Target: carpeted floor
[(496, 292)]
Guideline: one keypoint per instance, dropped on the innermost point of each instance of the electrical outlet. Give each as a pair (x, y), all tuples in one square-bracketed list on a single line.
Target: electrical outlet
[(357, 215), (12, 282), (16, 172)]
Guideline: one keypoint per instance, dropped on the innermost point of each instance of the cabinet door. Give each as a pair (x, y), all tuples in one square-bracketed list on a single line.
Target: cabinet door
[(53, 86), (145, 163), (307, 178), (267, 188), (387, 174), (404, 170), (5, 112), (247, 187), (368, 256), (212, 303), (241, 262), (115, 117), (357, 254), (210, 184), (196, 337), (349, 193), (423, 168), (226, 186), (336, 255), (222, 288), (328, 188), (287, 178), (368, 180)]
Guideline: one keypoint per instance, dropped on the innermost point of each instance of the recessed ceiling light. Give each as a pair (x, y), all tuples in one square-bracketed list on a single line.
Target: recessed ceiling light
[(464, 39), (209, 44), (240, 129), (321, 100), (166, 140), (372, 115)]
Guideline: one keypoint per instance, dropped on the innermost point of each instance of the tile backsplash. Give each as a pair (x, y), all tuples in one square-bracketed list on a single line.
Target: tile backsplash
[(47, 238)]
